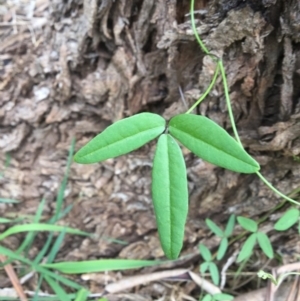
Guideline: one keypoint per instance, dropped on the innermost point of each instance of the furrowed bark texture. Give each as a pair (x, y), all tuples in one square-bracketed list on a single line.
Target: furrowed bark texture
[(70, 68)]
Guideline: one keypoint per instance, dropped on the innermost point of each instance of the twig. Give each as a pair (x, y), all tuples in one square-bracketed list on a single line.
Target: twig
[(14, 279)]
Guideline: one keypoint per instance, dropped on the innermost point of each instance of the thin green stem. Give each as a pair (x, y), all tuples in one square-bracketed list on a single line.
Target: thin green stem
[(275, 190), (227, 97), (282, 277), (211, 85), (205, 50)]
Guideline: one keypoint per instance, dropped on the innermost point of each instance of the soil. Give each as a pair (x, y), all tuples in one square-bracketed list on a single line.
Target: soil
[(69, 69)]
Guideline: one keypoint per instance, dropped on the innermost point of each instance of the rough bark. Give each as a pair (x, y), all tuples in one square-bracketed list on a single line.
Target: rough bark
[(70, 68)]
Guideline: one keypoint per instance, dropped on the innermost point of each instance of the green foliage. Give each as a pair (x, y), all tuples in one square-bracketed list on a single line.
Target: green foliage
[(214, 273), (8, 201), (51, 247), (207, 298), (247, 248), (208, 264), (212, 143), (222, 234), (263, 275), (121, 138), (222, 297), (82, 295), (205, 253), (170, 194), (222, 248), (40, 227), (256, 236), (92, 266), (169, 180), (200, 135), (288, 219), (217, 297), (214, 228), (247, 223), (230, 225), (265, 244)]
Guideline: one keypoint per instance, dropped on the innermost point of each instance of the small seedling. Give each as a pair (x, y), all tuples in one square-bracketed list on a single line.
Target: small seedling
[(263, 275), (256, 236), (208, 264), (222, 234)]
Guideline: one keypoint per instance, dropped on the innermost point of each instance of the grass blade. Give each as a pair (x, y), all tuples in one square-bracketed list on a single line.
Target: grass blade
[(59, 291), (39, 268), (81, 267), (40, 227), (62, 188), (5, 220), (44, 250), (8, 201), (82, 295), (56, 246), (27, 242)]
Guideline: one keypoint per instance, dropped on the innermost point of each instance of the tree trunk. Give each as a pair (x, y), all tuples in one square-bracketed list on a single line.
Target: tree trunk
[(77, 66)]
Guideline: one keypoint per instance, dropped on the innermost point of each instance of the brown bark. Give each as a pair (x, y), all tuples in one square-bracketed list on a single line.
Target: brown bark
[(70, 68)]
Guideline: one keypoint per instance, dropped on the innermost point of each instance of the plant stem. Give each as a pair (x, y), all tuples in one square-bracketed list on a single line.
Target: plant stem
[(211, 85), (205, 50), (275, 190), (227, 97)]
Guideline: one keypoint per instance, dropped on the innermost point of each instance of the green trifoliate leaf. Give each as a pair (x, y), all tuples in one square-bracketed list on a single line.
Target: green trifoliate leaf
[(247, 223), (205, 252), (230, 225), (214, 228), (214, 273), (212, 143), (247, 248), (289, 218), (265, 244), (222, 248), (121, 138), (204, 266), (207, 298), (170, 194)]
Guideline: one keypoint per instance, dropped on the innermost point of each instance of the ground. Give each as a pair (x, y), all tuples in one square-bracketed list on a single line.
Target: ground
[(70, 68)]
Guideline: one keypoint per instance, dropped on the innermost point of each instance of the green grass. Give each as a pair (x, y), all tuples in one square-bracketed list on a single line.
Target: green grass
[(48, 271)]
